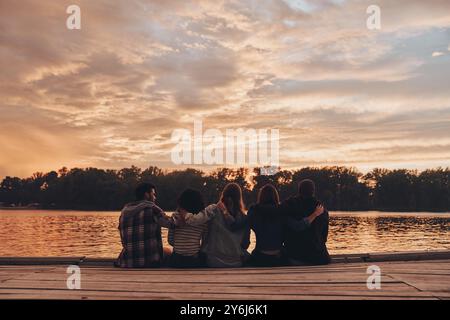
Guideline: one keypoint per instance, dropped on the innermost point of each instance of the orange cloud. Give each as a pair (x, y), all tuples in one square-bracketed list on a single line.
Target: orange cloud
[(110, 94)]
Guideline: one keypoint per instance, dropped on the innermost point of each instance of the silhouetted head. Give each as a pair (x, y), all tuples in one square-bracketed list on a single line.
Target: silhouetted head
[(145, 191), (306, 188), (232, 198), (268, 195), (191, 200)]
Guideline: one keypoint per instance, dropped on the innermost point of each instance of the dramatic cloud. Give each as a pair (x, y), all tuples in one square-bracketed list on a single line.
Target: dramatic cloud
[(111, 94)]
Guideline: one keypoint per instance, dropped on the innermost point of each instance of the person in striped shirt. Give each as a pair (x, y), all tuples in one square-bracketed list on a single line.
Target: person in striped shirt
[(186, 240)]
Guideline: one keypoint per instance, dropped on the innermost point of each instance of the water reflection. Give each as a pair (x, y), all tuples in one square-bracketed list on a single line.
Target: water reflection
[(95, 234)]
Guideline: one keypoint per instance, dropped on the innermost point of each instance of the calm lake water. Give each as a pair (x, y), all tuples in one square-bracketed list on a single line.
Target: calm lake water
[(95, 234)]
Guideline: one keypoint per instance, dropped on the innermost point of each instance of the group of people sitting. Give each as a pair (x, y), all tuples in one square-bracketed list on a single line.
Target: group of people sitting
[(292, 232)]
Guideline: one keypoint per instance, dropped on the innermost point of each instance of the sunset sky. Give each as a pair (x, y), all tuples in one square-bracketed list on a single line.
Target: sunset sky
[(111, 94)]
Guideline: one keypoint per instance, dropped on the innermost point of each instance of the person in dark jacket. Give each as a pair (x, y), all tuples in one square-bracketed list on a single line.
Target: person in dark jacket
[(268, 223), (308, 246)]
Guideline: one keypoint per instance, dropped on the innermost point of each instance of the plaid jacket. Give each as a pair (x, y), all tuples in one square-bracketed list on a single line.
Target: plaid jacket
[(140, 232)]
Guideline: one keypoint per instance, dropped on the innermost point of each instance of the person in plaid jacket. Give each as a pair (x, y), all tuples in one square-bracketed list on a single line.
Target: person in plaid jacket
[(140, 231)]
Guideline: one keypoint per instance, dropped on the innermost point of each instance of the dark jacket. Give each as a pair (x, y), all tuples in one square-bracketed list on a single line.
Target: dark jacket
[(309, 245), (268, 224)]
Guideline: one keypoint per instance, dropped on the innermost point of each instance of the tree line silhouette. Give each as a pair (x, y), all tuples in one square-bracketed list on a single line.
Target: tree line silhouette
[(340, 188)]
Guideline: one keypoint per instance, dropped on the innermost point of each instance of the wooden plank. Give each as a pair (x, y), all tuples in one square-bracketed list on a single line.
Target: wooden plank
[(208, 276), (97, 262), (211, 278), (229, 270), (424, 282), (182, 288), (408, 256), (435, 265), (439, 272), (437, 261), (349, 258), (81, 294), (336, 259), (440, 294), (224, 272), (227, 293), (55, 284), (10, 268), (442, 269), (211, 271), (39, 260), (325, 278), (400, 280), (19, 272)]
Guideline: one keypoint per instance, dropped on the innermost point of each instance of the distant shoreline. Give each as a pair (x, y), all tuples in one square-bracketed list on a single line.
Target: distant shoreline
[(171, 210)]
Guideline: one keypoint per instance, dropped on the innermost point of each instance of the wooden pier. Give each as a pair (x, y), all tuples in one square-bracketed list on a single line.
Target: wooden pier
[(407, 275)]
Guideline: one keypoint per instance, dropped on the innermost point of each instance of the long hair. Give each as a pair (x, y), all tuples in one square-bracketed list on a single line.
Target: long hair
[(268, 194), (232, 198)]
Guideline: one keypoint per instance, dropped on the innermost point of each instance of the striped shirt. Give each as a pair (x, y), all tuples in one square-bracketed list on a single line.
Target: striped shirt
[(186, 240)]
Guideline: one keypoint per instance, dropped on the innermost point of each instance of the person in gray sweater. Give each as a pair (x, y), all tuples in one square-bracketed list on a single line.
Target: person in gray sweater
[(228, 238)]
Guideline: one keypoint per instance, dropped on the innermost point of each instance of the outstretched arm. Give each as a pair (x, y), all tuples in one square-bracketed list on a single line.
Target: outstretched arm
[(162, 219), (198, 219), (233, 223), (301, 225), (297, 225)]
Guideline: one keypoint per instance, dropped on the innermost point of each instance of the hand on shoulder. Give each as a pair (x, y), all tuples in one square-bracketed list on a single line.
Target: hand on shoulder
[(319, 210)]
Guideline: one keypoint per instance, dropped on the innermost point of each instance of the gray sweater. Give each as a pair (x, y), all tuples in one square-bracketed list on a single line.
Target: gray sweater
[(224, 245)]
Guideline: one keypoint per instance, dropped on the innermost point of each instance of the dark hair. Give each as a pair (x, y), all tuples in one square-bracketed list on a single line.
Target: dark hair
[(142, 189), (191, 200), (268, 194), (306, 188), (232, 192)]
